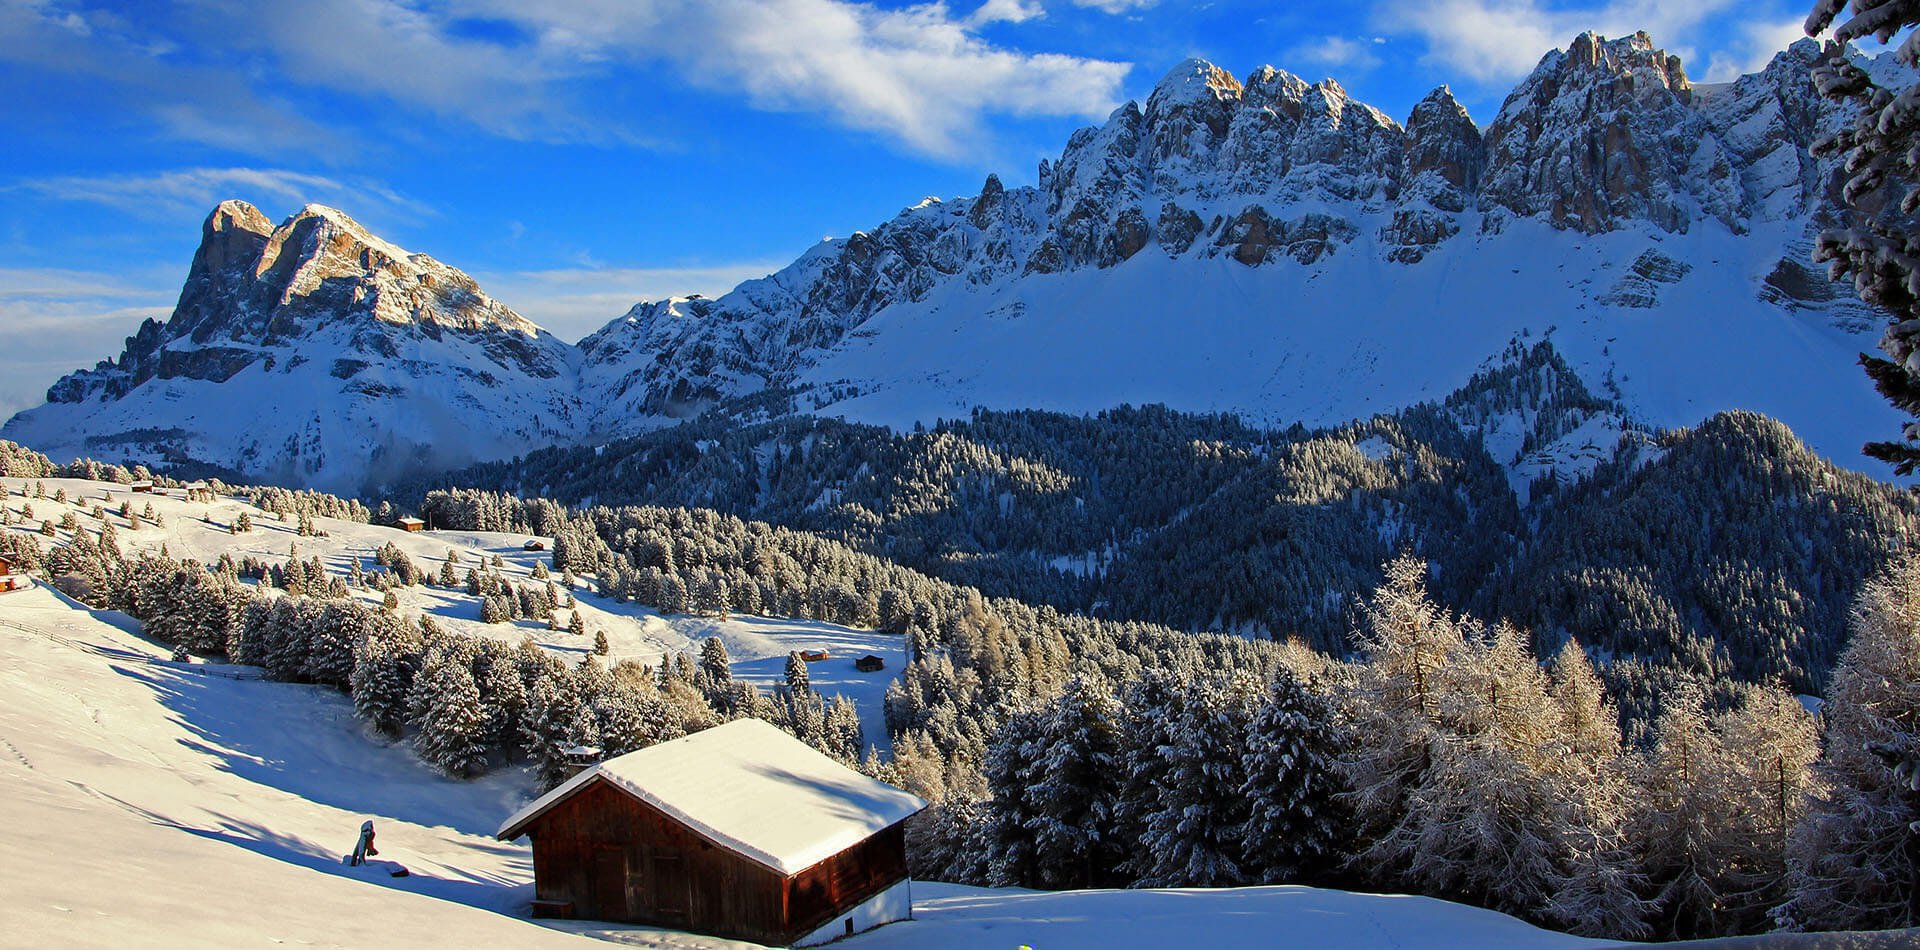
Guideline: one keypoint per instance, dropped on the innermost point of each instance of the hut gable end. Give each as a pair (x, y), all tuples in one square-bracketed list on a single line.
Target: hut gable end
[(740, 830)]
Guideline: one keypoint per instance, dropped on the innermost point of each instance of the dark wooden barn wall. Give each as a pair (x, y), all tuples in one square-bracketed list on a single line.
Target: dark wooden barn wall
[(618, 858), (819, 893)]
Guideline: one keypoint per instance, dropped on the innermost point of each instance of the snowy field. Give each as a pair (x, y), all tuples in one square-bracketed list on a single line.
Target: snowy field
[(758, 645), (161, 804)]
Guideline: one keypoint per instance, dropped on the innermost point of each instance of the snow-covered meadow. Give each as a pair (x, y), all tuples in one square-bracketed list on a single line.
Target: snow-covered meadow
[(165, 803)]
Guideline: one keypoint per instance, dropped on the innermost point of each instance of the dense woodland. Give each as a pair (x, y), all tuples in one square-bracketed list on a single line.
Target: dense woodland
[(1625, 765), (1727, 550)]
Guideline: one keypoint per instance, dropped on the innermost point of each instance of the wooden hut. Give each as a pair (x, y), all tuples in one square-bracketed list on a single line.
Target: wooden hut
[(870, 664), (815, 656), (141, 487), (410, 524), (9, 581), (739, 831)]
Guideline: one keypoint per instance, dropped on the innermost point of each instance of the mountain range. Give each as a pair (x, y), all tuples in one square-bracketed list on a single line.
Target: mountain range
[(1266, 247)]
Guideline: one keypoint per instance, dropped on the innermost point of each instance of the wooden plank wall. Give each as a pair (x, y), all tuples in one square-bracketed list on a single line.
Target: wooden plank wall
[(674, 878), (819, 893)]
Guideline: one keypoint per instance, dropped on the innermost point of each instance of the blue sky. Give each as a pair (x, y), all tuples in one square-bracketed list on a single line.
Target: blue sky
[(577, 157)]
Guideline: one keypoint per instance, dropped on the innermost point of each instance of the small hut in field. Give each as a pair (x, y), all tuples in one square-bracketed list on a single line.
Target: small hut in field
[(410, 524), (738, 831)]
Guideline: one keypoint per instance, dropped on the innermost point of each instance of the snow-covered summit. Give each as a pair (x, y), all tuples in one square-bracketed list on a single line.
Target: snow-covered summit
[(316, 351)]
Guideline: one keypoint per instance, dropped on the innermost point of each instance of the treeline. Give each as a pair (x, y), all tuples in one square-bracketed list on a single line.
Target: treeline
[(1449, 761)]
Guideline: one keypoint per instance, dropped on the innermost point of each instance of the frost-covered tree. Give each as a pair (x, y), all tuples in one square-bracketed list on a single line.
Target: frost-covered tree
[(1296, 826), (1881, 250), (1855, 856), (797, 681), (382, 679), (1074, 788), (715, 663), (843, 735), (1192, 833), (452, 725)]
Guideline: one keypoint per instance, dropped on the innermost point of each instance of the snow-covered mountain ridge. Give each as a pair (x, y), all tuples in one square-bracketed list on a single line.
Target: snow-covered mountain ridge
[(1268, 246)]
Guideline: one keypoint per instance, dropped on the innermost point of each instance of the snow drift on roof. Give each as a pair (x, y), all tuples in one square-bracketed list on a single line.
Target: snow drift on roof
[(751, 788)]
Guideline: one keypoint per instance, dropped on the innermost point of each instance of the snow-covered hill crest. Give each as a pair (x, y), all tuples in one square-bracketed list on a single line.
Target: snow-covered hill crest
[(1267, 246)]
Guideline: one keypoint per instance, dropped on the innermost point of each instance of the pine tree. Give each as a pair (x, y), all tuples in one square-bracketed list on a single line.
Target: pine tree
[(1880, 251), (1296, 826), (1074, 788), (382, 679), (1855, 856), (1194, 831), (452, 724), (843, 738), (797, 682), (715, 663)]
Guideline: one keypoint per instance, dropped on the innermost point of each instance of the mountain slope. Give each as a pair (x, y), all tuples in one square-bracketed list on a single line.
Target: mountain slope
[(315, 352), (1268, 247)]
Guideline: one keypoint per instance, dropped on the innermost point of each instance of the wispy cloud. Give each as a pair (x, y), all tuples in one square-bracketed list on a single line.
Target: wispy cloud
[(1498, 41), (1352, 54), (77, 55), (1115, 7), (920, 75), (574, 302), (54, 321), (1751, 46), (189, 192)]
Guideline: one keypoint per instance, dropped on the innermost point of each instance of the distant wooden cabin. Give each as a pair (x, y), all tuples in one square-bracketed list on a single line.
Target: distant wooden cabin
[(144, 488), (738, 831), (534, 544), (815, 656), (870, 664), (9, 581), (411, 524)]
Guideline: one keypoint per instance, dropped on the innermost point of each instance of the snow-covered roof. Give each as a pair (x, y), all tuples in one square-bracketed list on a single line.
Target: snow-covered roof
[(750, 788)]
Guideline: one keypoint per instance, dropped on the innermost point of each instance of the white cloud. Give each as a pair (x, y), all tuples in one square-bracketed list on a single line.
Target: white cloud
[(190, 192), (1490, 41), (1006, 11), (68, 56), (1115, 7), (54, 321), (1340, 52), (577, 301), (1753, 46), (917, 74)]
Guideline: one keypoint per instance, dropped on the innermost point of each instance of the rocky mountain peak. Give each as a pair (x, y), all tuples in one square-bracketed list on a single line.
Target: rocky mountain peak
[(1445, 153), (1603, 133), (1194, 82)]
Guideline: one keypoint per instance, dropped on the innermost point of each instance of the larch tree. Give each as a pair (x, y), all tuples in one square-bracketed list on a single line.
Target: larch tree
[(1854, 858)]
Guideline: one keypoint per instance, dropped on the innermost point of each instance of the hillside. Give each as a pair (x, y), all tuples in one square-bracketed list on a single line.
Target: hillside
[(1265, 247), (204, 775)]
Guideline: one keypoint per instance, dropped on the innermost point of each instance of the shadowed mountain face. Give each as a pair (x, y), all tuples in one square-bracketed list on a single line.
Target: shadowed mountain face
[(1268, 246)]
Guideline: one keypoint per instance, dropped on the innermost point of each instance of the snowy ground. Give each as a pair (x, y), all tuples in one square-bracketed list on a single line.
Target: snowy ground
[(158, 804), (758, 645)]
